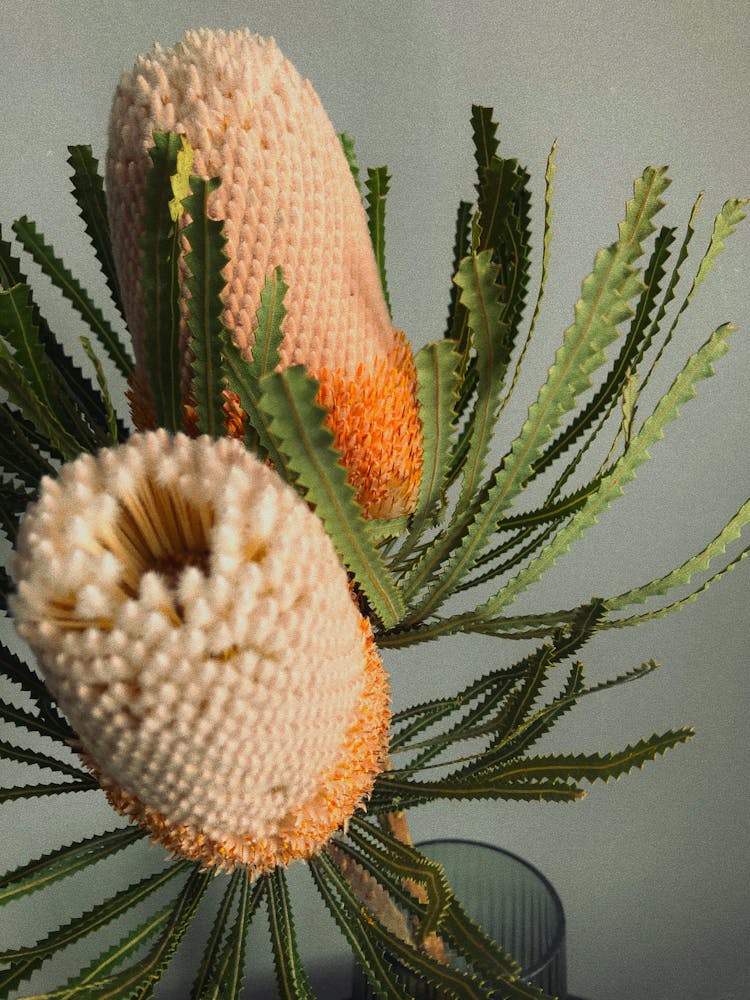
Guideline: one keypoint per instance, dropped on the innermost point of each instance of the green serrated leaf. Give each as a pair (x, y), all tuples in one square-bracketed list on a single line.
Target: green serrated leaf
[(12, 667), (298, 423), (477, 277), (457, 319), (114, 434), (25, 961), (161, 286), (697, 368), (23, 754), (683, 574), (345, 909), (377, 188), (228, 981), (291, 978), (53, 267), (137, 982), (205, 261), (347, 144), (88, 190), (406, 862), (242, 376), (65, 861), (24, 370), (22, 457), (603, 305), (85, 784), (437, 367), (591, 767), (33, 723), (268, 332)]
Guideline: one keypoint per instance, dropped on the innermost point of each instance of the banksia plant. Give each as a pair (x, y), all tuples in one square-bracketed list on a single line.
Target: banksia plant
[(205, 596), (287, 199)]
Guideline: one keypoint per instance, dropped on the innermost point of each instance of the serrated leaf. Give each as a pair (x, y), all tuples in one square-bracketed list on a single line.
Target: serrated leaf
[(477, 277), (343, 906), (137, 981), (53, 267), (25, 961), (101, 379), (21, 457), (12, 667), (205, 261), (484, 134), (228, 981), (437, 367), (24, 755), (683, 574), (406, 862), (242, 376), (347, 144), (65, 861), (13, 502), (603, 305), (377, 189), (591, 767), (456, 326), (88, 190), (24, 370), (268, 332), (291, 978), (161, 291), (725, 224), (634, 345), (298, 424), (33, 723), (85, 784), (392, 793), (211, 954), (697, 368)]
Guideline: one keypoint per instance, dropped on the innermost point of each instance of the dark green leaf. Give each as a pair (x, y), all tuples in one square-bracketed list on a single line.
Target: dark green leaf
[(88, 190), (377, 189), (161, 287), (53, 267), (291, 978), (65, 861), (205, 262)]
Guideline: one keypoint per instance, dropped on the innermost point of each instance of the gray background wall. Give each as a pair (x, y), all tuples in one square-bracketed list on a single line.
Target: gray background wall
[(653, 871)]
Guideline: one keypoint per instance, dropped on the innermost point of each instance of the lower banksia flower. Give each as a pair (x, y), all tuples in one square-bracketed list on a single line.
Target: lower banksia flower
[(287, 199), (194, 623)]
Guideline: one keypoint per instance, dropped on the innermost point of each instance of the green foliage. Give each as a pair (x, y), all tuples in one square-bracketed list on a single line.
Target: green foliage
[(469, 528), (377, 183), (347, 145), (205, 284), (88, 191), (161, 286), (44, 255), (298, 424)]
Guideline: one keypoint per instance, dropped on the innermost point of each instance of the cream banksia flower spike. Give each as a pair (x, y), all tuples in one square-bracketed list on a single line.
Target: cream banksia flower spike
[(287, 200), (206, 609), (173, 591)]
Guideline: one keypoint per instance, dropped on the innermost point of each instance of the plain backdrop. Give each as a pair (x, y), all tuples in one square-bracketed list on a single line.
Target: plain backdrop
[(652, 870)]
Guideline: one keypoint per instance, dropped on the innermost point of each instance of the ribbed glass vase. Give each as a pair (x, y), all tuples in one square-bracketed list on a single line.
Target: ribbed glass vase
[(512, 901)]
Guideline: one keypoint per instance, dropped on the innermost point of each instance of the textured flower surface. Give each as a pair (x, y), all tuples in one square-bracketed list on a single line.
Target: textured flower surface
[(288, 199), (193, 621)]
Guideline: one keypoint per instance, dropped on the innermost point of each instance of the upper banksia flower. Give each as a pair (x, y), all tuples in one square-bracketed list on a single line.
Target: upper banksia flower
[(192, 619), (287, 198)]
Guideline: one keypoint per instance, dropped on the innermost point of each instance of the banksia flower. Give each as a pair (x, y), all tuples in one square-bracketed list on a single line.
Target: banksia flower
[(287, 198), (193, 621)]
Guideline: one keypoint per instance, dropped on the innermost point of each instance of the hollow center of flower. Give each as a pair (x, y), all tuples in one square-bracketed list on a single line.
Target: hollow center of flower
[(159, 530)]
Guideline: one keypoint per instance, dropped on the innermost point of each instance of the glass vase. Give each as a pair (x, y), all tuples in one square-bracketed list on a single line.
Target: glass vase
[(514, 903)]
